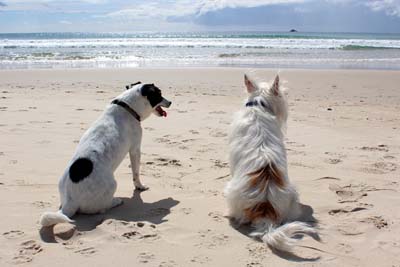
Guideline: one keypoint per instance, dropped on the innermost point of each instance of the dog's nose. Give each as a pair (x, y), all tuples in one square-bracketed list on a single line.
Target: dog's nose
[(166, 103)]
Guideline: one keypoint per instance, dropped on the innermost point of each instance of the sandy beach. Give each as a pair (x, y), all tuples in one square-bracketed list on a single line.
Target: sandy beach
[(343, 143)]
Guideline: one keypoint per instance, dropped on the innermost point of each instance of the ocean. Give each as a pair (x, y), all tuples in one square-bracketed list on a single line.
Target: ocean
[(226, 49)]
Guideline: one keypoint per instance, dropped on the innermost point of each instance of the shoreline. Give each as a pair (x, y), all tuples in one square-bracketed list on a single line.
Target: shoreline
[(191, 68)]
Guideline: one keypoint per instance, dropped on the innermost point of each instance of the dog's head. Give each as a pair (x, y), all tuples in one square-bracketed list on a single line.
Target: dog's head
[(146, 99), (270, 97), (153, 94)]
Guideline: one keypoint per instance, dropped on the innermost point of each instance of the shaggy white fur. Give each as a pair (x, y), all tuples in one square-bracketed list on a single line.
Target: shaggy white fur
[(260, 192), (100, 151)]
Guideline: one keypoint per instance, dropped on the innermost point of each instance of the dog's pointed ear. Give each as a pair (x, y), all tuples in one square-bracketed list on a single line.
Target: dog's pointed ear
[(275, 86), (249, 84)]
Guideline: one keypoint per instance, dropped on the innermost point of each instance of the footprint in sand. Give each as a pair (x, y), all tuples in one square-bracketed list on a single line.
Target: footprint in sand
[(216, 216), (13, 234), (200, 259), (220, 164), (380, 168), (145, 257), (218, 133), (211, 240), (135, 235), (141, 231), (86, 251), (349, 230), (349, 193), (332, 160), (168, 264), (167, 162), (165, 140), (345, 210), (27, 251), (380, 147), (377, 221), (257, 253)]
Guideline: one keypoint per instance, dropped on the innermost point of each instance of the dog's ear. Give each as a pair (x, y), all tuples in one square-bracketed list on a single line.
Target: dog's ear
[(131, 85), (249, 84), (275, 86)]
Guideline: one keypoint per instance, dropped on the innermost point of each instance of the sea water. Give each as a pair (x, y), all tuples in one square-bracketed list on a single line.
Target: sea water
[(207, 49)]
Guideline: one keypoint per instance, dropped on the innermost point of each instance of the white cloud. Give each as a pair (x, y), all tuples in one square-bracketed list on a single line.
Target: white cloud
[(391, 7), (181, 8), (214, 5), (49, 5)]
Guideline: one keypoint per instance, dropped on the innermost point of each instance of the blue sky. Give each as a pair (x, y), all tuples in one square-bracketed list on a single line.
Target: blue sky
[(203, 15)]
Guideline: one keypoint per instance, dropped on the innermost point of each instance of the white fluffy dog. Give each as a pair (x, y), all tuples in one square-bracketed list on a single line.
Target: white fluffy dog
[(88, 183), (260, 192)]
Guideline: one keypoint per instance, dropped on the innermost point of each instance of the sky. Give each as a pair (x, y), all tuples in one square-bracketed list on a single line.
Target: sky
[(377, 16)]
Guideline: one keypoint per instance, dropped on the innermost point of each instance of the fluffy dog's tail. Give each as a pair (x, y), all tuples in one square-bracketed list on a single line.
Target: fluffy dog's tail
[(51, 218), (282, 237)]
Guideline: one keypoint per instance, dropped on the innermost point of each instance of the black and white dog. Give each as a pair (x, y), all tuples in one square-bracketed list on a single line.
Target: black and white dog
[(88, 184)]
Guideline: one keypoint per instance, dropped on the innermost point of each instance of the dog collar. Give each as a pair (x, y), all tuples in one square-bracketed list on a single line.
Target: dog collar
[(259, 103), (127, 108)]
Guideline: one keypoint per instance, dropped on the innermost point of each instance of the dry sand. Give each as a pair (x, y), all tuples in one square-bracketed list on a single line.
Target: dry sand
[(343, 151)]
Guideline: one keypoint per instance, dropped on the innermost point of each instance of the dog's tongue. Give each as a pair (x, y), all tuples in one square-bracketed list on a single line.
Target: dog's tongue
[(161, 112)]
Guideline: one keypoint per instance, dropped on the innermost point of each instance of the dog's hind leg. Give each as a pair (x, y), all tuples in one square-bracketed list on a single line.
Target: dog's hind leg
[(134, 155)]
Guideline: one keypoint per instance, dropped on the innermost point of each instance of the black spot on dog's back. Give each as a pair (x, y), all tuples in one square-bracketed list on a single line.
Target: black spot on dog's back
[(80, 169)]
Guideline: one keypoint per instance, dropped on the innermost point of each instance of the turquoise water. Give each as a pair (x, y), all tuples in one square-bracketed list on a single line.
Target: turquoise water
[(250, 49)]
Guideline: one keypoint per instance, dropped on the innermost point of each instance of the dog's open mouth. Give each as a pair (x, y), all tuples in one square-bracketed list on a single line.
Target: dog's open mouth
[(161, 112)]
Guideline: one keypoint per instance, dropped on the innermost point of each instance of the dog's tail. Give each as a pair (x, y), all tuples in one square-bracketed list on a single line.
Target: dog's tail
[(52, 218), (283, 237)]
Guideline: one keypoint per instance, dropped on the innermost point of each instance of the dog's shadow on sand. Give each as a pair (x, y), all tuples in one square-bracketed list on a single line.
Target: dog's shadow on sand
[(132, 210), (307, 217)]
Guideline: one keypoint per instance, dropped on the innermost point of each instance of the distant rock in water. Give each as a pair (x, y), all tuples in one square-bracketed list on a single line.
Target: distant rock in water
[(293, 30)]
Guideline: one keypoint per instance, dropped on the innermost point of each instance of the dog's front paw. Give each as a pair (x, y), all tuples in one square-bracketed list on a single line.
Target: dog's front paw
[(141, 187)]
